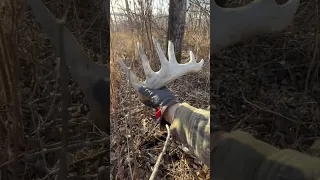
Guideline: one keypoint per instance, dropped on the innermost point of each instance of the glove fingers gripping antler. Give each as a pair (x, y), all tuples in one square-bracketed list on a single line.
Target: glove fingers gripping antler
[(169, 71)]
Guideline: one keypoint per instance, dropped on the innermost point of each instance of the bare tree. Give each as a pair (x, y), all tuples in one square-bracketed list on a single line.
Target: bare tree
[(198, 17), (176, 24), (146, 19), (11, 126)]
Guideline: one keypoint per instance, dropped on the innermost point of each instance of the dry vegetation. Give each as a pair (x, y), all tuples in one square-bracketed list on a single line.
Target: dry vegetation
[(269, 85), (40, 96), (141, 129)]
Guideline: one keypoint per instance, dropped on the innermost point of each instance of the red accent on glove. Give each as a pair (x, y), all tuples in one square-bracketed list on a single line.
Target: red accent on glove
[(158, 113)]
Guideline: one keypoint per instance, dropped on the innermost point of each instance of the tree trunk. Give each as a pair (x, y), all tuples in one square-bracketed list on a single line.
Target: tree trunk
[(176, 25), (105, 32)]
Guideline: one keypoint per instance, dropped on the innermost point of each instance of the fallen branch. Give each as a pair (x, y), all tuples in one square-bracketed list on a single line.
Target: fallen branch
[(64, 77), (156, 166), (129, 133)]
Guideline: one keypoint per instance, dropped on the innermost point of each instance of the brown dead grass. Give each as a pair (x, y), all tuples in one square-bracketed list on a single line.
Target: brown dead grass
[(41, 100), (262, 85), (148, 138)]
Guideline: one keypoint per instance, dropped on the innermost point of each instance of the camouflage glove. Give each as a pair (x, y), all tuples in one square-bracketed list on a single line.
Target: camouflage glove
[(160, 99)]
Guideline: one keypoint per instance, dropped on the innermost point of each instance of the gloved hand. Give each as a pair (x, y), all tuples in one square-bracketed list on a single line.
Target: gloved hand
[(159, 99)]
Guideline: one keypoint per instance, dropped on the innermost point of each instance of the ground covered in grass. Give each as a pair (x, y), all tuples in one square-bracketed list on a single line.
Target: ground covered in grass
[(269, 85), (40, 97), (145, 137)]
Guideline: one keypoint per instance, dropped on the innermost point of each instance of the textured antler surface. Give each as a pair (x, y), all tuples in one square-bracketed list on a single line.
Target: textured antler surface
[(231, 25), (169, 71)]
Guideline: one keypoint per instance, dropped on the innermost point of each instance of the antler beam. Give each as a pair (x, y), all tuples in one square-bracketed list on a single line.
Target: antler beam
[(92, 78), (231, 25), (170, 70)]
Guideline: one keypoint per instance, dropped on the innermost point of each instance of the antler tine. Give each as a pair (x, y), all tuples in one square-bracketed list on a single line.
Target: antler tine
[(145, 63), (163, 60), (133, 78), (192, 58), (171, 54), (231, 25), (169, 71)]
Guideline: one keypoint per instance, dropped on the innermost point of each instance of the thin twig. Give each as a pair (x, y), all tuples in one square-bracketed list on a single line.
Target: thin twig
[(128, 129), (95, 19), (270, 111), (64, 77), (156, 166), (312, 63), (241, 121), (37, 133)]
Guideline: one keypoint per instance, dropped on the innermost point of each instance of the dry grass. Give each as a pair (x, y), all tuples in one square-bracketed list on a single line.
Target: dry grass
[(148, 138), (254, 81), (40, 100), (269, 85)]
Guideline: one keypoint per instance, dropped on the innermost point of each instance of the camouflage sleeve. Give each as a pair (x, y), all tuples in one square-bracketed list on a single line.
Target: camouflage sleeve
[(238, 155), (191, 126)]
